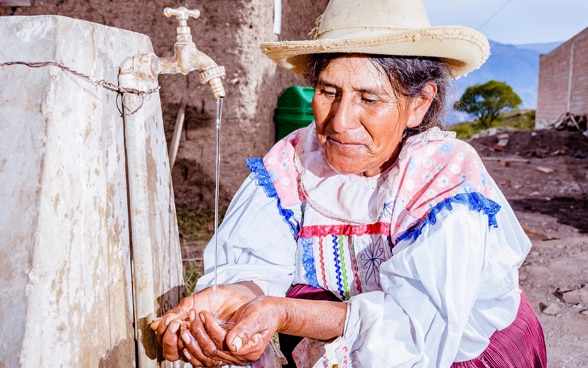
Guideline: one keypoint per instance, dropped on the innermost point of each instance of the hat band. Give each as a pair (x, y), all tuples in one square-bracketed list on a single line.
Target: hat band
[(355, 31)]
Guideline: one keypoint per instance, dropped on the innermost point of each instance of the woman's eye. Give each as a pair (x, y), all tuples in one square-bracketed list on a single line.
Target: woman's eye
[(370, 99), (328, 92)]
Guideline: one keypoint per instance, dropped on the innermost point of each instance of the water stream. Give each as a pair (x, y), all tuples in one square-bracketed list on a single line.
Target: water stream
[(219, 111)]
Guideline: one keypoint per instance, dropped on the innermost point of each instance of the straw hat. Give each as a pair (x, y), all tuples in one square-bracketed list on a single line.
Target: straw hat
[(384, 27)]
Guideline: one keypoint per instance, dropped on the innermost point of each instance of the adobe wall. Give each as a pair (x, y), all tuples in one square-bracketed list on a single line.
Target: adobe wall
[(229, 31), (563, 81), (253, 85)]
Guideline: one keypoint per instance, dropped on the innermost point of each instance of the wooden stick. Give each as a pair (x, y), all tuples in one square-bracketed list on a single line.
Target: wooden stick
[(15, 3), (173, 148), (512, 159)]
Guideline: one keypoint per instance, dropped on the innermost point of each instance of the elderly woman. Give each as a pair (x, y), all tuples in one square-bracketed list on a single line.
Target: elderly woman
[(371, 238)]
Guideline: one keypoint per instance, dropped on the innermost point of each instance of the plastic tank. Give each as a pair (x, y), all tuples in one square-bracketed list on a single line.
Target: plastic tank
[(294, 110)]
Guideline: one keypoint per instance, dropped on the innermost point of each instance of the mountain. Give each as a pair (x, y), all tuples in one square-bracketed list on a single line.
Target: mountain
[(541, 48), (516, 65)]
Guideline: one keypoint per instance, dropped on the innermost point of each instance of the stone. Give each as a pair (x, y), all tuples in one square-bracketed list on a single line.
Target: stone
[(579, 296), (552, 309)]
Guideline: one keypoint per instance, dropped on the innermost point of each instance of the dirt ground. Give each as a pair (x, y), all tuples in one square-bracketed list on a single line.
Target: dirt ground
[(544, 174)]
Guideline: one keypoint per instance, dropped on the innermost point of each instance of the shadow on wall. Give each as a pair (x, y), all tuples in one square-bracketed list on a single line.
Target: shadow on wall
[(165, 302), (120, 355)]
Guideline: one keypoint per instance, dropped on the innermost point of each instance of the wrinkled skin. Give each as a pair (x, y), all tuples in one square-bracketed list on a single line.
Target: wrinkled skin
[(191, 333), (360, 119), (197, 337)]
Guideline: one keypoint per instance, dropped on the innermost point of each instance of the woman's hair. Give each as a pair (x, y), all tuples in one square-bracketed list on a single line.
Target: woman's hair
[(408, 77)]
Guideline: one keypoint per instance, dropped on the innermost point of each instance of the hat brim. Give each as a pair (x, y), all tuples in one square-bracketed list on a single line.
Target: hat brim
[(462, 48)]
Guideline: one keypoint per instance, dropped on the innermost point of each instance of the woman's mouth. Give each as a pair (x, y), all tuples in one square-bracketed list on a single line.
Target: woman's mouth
[(343, 142)]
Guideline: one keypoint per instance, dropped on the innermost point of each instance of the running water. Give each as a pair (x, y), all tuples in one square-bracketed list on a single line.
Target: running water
[(219, 111)]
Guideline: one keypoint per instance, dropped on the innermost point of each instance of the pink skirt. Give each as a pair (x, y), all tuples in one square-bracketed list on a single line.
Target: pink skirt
[(520, 345)]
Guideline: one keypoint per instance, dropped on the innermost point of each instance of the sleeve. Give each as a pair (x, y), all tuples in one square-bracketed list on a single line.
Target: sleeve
[(253, 243), (443, 294)]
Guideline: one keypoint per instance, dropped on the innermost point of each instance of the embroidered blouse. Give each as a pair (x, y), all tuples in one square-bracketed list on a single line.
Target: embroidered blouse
[(426, 254)]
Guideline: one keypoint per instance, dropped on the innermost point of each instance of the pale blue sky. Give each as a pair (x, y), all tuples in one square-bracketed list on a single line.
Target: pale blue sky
[(513, 21)]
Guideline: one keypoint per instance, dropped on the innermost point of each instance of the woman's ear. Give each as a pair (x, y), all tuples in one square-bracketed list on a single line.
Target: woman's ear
[(418, 106)]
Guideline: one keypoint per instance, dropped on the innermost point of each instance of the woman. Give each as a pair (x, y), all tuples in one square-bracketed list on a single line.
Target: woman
[(390, 240)]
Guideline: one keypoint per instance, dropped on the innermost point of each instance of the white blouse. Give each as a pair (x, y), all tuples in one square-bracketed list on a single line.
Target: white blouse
[(426, 254)]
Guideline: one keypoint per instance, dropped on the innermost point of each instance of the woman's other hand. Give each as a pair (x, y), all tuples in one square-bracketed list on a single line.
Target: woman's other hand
[(221, 301), (256, 323), (244, 338)]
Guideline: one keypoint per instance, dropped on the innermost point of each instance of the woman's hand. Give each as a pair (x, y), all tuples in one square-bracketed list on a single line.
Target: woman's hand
[(252, 328), (173, 328), (239, 341)]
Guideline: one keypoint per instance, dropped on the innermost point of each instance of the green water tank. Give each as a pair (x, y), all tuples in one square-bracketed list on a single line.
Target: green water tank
[(294, 110)]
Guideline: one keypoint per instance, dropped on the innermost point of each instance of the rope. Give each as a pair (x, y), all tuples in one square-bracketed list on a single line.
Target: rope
[(102, 83)]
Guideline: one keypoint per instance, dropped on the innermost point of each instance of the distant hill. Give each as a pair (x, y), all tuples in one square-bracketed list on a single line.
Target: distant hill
[(516, 65), (541, 48)]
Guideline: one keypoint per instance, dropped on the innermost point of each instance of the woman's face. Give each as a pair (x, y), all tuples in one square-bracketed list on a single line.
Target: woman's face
[(359, 119)]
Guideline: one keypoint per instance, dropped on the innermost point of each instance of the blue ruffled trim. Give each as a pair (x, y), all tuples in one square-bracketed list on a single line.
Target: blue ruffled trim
[(308, 262), (475, 201), (264, 180)]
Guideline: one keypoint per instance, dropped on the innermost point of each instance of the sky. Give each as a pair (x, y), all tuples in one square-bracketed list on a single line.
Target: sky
[(513, 21)]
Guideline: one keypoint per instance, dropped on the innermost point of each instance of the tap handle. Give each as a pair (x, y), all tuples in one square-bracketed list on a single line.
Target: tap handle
[(182, 14)]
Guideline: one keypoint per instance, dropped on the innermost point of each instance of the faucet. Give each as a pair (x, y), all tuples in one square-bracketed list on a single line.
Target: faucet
[(187, 57)]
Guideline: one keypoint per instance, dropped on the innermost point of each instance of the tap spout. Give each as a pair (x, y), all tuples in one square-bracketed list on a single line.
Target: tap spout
[(187, 57)]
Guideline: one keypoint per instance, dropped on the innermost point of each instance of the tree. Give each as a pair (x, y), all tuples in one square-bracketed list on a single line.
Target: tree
[(486, 101)]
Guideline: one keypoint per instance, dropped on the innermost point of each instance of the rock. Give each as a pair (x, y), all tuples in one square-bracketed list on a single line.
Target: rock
[(552, 309), (576, 296)]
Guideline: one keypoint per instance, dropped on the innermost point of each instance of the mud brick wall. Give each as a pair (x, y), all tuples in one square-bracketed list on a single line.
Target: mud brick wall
[(563, 81)]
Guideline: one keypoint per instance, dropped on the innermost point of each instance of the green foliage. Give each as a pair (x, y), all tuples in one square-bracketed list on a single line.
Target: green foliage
[(487, 101), (192, 272), (464, 131), (196, 228), (519, 120), (523, 120)]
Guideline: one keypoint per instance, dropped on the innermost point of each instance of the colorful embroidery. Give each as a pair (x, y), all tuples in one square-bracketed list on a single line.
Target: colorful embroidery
[(381, 228), (322, 261), (474, 201), (433, 173), (279, 162), (353, 257), (337, 264), (257, 168), (373, 257), (308, 262), (387, 209), (343, 268)]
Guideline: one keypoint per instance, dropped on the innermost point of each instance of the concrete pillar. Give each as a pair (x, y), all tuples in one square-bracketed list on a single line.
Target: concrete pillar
[(72, 200)]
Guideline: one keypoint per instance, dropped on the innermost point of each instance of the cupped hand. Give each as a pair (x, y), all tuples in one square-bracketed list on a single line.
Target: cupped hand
[(252, 328), (173, 328), (205, 342)]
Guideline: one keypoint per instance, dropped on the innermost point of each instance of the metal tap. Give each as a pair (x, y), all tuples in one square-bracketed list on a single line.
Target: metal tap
[(187, 57)]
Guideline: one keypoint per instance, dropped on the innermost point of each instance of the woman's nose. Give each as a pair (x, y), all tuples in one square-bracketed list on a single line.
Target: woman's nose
[(344, 116)]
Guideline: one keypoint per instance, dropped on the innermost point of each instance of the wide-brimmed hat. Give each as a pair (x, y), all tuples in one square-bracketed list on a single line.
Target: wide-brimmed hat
[(383, 27)]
